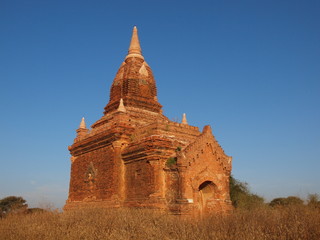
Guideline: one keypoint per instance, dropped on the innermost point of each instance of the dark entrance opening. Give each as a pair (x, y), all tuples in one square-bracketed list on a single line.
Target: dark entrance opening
[(206, 191)]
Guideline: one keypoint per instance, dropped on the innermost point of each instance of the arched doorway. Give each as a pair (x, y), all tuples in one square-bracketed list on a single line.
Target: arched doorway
[(206, 192)]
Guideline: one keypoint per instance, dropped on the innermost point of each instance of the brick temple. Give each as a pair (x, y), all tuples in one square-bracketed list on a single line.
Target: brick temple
[(134, 156)]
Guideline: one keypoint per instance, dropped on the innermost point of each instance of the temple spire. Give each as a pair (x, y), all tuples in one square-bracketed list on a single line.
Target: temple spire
[(134, 48), (83, 124), (134, 83), (184, 119)]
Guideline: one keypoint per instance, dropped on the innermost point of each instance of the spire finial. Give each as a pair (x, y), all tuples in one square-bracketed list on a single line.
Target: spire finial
[(121, 107), (82, 130), (134, 48), (184, 119), (83, 124)]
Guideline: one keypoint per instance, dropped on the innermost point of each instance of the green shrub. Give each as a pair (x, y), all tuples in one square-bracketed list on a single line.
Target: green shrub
[(12, 204), (241, 196), (291, 200), (171, 161)]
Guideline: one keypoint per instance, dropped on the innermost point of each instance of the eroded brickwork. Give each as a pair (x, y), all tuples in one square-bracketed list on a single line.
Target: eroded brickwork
[(134, 156)]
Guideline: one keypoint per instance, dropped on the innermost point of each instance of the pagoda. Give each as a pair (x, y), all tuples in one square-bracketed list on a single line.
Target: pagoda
[(134, 156)]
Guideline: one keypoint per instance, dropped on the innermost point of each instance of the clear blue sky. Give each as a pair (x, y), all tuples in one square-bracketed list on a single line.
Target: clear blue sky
[(250, 69)]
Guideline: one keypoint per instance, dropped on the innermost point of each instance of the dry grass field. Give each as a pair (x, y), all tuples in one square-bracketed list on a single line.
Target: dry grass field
[(286, 223)]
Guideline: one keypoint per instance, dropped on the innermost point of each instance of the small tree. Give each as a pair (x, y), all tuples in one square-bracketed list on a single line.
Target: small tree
[(12, 204), (241, 196), (278, 202), (313, 200), (288, 201)]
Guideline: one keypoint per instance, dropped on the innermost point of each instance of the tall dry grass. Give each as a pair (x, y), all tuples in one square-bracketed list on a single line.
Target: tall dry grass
[(296, 223)]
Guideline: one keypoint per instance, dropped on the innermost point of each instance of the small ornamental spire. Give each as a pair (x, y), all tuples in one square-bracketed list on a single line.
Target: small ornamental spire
[(82, 124), (121, 107), (134, 48), (184, 119), (82, 130)]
